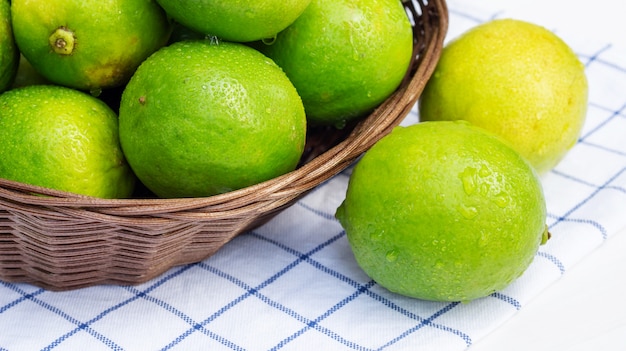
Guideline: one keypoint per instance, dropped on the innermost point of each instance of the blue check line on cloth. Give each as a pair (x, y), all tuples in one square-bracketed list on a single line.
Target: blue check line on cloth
[(565, 218), (620, 112), (614, 114), (366, 290), (322, 214), (598, 189), (428, 322), (81, 326), (25, 295), (252, 291), (314, 324), (596, 58), (602, 186), (85, 326), (508, 299), (552, 259), (195, 326), (604, 148)]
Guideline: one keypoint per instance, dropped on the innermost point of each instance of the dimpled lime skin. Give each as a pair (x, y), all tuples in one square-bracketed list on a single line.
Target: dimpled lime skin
[(200, 118), (517, 80), (236, 20), (345, 56), (111, 38), (9, 54), (443, 211), (63, 139)]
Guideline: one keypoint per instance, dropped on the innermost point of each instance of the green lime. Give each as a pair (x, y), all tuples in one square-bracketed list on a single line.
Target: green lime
[(443, 211), (236, 20), (200, 118), (9, 54), (88, 44), (63, 139), (345, 56), (515, 79)]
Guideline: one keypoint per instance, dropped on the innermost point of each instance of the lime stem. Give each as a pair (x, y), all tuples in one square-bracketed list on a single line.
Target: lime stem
[(545, 236), (62, 41)]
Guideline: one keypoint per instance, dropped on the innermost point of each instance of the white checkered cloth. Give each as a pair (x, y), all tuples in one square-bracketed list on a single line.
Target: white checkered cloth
[(293, 284)]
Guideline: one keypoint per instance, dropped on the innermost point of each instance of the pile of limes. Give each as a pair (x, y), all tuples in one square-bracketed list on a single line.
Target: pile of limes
[(198, 98), (211, 95)]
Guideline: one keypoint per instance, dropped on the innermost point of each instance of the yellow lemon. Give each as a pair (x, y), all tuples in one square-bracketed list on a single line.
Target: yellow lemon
[(515, 79)]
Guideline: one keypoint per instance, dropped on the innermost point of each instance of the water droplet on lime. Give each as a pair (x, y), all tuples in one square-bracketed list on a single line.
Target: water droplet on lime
[(483, 240), (95, 92), (468, 212), (468, 178), (392, 255), (269, 41), (340, 124), (502, 200), (376, 236), (484, 171)]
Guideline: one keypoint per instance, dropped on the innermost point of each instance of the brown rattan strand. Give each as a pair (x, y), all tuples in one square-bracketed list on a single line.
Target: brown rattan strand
[(63, 241)]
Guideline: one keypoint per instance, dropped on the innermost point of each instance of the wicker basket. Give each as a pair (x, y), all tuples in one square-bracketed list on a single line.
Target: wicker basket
[(62, 241)]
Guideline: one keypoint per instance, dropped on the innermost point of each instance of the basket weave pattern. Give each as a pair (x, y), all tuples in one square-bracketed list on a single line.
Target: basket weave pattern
[(63, 241)]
